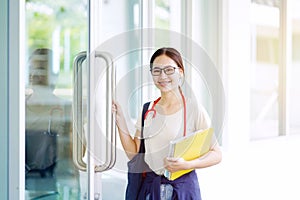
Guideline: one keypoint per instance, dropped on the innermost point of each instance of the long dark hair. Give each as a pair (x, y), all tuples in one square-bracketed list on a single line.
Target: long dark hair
[(171, 53)]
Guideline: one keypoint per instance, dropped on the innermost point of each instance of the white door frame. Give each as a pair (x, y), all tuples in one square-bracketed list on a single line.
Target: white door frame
[(16, 99)]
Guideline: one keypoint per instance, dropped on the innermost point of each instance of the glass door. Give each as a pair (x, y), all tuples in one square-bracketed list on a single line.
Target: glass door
[(70, 146), (55, 32), (114, 67)]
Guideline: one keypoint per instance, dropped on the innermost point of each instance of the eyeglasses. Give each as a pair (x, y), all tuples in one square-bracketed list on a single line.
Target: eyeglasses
[(168, 70)]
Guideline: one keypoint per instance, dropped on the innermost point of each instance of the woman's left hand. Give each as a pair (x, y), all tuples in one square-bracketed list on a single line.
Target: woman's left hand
[(176, 164)]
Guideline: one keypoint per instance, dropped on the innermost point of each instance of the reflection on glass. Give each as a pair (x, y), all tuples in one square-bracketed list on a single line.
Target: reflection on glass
[(47, 125), (162, 14), (44, 116), (55, 33)]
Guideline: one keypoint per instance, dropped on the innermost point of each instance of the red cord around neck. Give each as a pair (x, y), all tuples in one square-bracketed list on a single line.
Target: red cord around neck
[(184, 111)]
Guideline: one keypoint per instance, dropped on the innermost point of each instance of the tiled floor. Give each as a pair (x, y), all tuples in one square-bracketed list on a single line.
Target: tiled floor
[(260, 170), (64, 184)]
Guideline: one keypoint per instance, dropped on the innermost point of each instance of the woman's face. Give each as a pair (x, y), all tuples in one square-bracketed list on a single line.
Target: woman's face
[(166, 74)]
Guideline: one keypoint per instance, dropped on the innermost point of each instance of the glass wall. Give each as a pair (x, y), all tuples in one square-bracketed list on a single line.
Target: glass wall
[(275, 68), (264, 70)]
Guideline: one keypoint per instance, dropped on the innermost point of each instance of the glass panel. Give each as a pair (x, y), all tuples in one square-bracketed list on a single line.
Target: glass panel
[(295, 70), (55, 33), (117, 18), (171, 15), (205, 33), (264, 71), (168, 14)]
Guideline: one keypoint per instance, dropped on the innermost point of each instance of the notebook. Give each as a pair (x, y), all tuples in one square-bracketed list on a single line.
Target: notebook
[(190, 147)]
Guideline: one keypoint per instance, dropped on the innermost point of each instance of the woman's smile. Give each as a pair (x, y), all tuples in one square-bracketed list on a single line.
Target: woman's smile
[(164, 83)]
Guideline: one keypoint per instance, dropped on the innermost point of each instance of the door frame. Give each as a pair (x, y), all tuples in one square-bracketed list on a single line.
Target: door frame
[(4, 100), (16, 98)]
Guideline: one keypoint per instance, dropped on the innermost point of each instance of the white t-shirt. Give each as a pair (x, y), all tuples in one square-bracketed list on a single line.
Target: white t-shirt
[(160, 130)]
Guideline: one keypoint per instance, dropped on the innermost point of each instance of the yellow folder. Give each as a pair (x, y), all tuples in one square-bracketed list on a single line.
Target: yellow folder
[(190, 147)]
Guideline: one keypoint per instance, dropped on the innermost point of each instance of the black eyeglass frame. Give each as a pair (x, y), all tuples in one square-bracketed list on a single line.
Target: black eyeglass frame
[(163, 69)]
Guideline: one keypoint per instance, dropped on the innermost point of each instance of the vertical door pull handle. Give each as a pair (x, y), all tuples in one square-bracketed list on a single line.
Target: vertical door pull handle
[(78, 133), (110, 125)]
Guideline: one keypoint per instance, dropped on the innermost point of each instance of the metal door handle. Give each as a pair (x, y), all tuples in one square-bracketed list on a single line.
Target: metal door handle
[(110, 133), (78, 135)]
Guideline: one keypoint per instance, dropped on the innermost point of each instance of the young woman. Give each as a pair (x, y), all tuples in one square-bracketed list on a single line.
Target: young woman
[(172, 114)]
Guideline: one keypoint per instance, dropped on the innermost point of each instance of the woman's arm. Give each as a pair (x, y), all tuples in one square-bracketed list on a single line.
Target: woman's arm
[(130, 145), (213, 157)]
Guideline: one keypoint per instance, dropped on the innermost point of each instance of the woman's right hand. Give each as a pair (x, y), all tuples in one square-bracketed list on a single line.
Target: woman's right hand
[(127, 141), (116, 108), (120, 119)]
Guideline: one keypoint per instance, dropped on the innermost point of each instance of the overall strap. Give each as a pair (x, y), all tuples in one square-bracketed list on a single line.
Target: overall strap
[(142, 146)]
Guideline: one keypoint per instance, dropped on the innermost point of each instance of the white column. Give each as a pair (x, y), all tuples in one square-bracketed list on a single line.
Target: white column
[(238, 82), (285, 42)]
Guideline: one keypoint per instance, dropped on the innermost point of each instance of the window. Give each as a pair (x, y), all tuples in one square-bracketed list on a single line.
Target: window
[(274, 87)]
